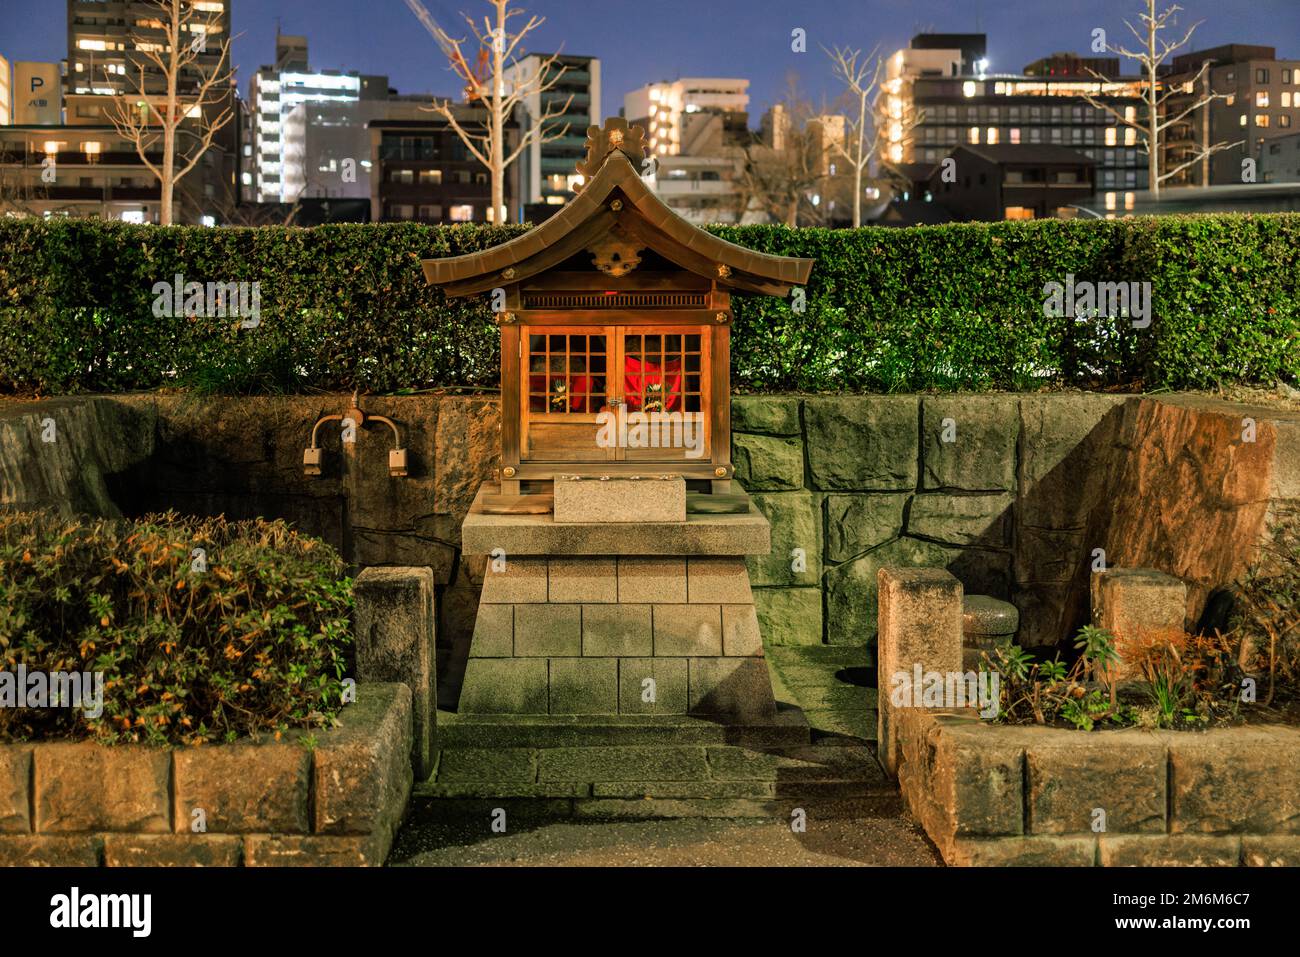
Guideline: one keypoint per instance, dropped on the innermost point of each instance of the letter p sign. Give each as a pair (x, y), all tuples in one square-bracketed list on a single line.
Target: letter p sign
[(37, 83)]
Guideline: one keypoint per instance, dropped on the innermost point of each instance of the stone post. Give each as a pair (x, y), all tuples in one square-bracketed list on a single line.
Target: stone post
[(1136, 604), (920, 623), (394, 626)]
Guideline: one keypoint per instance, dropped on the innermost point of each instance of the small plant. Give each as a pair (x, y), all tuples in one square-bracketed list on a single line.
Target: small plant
[(1050, 691)]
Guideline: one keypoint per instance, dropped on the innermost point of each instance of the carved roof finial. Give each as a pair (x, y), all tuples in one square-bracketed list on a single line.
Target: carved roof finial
[(616, 136)]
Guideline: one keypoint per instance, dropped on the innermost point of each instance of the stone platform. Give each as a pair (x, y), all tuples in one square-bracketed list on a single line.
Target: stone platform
[(617, 635), (600, 618)]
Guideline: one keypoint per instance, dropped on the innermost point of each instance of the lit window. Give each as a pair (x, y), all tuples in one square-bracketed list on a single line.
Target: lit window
[(1015, 134), (992, 136), (1130, 200), (461, 214), (1242, 119), (133, 216), (1261, 119), (91, 45), (1286, 99), (973, 135), (1130, 137), (1112, 136), (51, 147), (968, 88), (1130, 114), (1232, 98), (1110, 201), (1261, 98)]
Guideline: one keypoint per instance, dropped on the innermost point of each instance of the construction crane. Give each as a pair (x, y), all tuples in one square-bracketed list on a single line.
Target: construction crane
[(474, 78)]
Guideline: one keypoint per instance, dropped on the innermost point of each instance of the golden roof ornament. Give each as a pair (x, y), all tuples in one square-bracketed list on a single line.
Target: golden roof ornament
[(616, 136)]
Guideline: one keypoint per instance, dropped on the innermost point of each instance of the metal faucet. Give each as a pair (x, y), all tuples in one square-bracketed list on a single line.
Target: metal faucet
[(354, 418)]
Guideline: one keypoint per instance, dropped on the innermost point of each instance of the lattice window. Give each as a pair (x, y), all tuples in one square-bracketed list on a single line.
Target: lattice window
[(566, 373), (662, 372)]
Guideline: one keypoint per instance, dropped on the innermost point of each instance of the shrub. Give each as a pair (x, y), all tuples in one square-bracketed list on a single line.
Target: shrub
[(887, 310), (1267, 620), (253, 642)]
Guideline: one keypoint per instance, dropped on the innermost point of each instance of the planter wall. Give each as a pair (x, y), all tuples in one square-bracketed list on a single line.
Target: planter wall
[(333, 798), (1000, 795)]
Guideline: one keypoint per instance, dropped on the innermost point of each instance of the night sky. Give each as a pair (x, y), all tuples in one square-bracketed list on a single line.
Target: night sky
[(645, 40)]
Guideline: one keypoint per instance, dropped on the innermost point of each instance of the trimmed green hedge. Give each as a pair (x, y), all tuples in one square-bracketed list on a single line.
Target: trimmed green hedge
[(948, 307)]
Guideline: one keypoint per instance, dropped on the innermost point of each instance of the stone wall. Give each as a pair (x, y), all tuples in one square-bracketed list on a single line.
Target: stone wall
[(997, 795), (333, 797), (1010, 493)]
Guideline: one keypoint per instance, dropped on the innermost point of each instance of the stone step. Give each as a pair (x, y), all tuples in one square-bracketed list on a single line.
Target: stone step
[(873, 804), (787, 728), (686, 771)]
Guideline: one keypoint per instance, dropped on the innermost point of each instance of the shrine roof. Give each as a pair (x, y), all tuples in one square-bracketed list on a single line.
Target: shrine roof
[(616, 206)]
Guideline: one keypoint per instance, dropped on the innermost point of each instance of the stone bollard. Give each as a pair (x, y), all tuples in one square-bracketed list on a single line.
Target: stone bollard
[(920, 623), (1134, 603), (986, 623), (394, 626)]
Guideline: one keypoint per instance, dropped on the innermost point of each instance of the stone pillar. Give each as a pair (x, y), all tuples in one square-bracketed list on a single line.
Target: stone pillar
[(920, 623), (1134, 604), (395, 626)]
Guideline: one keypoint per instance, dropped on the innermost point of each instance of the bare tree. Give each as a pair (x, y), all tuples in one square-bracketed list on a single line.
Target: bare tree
[(1150, 55), (499, 52), (783, 179), (148, 119), (861, 77)]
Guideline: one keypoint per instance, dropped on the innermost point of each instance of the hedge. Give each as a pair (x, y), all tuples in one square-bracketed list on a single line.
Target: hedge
[(946, 307), (250, 635)]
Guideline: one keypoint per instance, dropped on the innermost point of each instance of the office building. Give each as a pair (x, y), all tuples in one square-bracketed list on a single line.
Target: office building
[(942, 92), (422, 172), (1261, 102), (547, 170), (278, 168), (6, 93)]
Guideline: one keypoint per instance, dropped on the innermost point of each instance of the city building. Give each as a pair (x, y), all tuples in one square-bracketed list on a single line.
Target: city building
[(548, 170), (1261, 101), (698, 130), (108, 41), (1280, 160), (674, 113), (422, 172), (6, 93), (75, 171), (278, 168), (1014, 182), (941, 93)]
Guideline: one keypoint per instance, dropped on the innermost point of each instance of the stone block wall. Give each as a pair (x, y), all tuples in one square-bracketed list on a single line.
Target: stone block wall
[(580, 635), (1016, 495), (335, 797), (1011, 493), (996, 795)]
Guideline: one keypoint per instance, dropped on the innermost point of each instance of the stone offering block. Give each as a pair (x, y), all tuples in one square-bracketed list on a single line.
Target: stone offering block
[(647, 498)]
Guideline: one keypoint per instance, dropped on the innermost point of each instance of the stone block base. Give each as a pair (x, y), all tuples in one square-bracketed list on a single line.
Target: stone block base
[(604, 635)]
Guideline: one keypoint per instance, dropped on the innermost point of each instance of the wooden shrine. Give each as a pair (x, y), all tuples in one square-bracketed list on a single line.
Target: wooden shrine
[(615, 309), (609, 591)]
